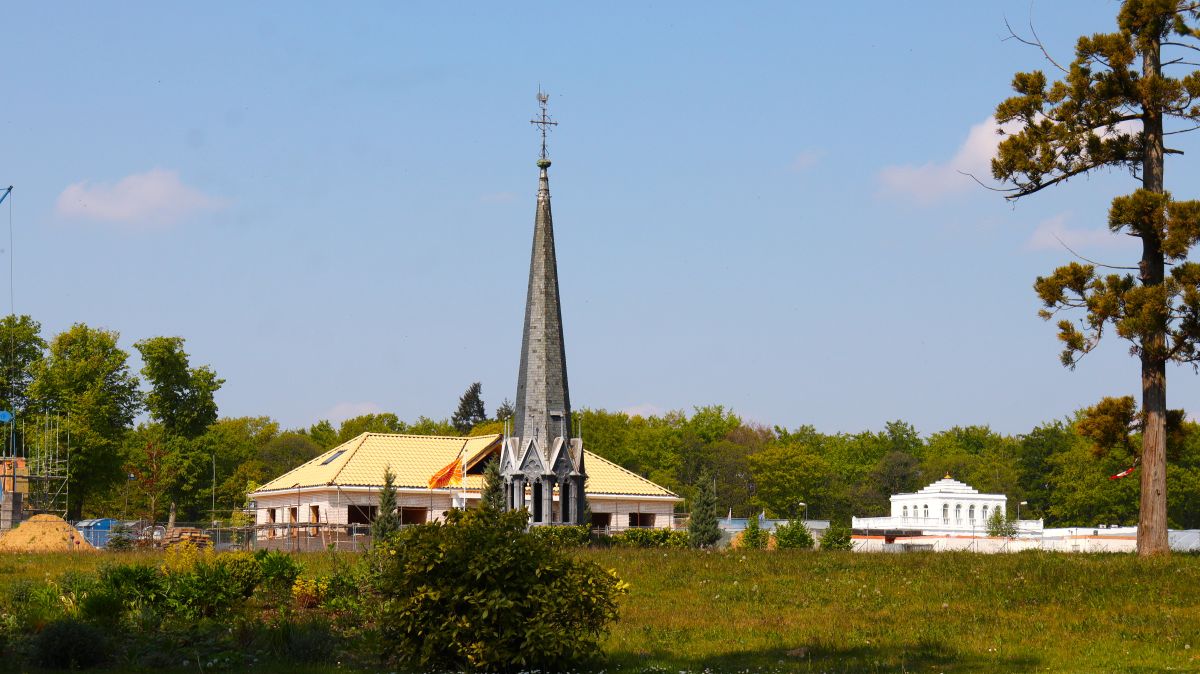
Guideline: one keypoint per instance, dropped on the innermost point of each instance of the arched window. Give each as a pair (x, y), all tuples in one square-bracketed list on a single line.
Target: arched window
[(945, 513), (958, 512), (905, 512), (926, 511), (984, 513), (971, 514)]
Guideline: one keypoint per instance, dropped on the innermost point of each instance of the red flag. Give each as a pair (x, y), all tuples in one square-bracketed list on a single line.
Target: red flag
[(1125, 473), (450, 476)]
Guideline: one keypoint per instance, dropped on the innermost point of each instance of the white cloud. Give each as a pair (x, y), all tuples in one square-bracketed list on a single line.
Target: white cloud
[(806, 160), (1053, 233), (156, 197), (933, 181), (347, 410), (643, 410)]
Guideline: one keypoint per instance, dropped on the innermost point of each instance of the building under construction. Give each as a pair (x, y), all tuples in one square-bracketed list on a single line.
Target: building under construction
[(33, 470)]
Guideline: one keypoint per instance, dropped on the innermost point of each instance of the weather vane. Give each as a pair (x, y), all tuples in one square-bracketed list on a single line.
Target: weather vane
[(543, 123)]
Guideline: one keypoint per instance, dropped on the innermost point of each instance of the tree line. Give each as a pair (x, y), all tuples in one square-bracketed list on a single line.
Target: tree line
[(164, 466)]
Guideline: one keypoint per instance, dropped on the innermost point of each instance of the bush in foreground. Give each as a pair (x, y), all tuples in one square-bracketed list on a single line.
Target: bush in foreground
[(478, 592)]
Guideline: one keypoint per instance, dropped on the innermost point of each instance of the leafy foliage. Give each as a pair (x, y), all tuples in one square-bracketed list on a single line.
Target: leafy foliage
[(85, 376), (793, 535), (650, 538), (564, 536), (837, 537), (1000, 526), (477, 592), (754, 537)]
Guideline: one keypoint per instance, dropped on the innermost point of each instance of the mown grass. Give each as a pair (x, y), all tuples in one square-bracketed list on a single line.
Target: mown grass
[(800, 611), (786, 611)]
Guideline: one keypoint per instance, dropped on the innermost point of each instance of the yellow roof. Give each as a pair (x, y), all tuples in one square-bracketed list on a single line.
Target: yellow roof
[(414, 458)]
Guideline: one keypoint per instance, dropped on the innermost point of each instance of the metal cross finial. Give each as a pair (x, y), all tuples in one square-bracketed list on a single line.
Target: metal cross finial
[(544, 123)]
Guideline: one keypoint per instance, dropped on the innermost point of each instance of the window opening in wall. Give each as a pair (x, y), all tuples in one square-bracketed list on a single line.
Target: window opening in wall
[(360, 514), (272, 518), (413, 516), (926, 512), (984, 513), (601, 520), (945, 513), (905, 515), (641, 519), (314, 516), (958, 513), (971, 514)]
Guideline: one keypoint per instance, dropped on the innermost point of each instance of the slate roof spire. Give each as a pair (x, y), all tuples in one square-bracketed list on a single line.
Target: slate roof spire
[(543, 406)]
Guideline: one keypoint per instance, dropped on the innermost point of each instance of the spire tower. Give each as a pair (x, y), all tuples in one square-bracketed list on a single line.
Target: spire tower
[(540, 454), (543, 406)]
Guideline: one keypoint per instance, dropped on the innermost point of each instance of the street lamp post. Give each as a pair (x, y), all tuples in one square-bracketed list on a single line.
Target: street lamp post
[(1019, 504), (804, 505)]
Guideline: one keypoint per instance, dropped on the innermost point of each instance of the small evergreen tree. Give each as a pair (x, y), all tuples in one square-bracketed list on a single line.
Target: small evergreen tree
[(492, 497), (837, 537), (470, 409), (387, 522), (702, 529), (755, 537), (505, 410), (999, 526)]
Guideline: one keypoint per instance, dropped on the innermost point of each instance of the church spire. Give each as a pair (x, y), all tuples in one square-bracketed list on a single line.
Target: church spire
[(543, 407)]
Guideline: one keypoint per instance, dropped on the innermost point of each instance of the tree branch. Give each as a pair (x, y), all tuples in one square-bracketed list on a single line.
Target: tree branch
[(1036, 42), (1098, 264)]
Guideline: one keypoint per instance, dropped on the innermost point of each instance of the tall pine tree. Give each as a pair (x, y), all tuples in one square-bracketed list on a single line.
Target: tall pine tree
[(470, 409), (1114, 107)]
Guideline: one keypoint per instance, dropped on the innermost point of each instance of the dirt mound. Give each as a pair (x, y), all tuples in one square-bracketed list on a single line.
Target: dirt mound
[(44, 533)]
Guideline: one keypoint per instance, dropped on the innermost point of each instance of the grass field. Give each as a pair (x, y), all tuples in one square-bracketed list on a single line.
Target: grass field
[(843, 612), (787, 611)]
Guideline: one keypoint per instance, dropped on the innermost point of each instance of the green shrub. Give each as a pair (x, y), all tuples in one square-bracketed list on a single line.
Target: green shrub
[(70, 644), (1000, 527), (102, 606), (206, 591), (755, 537), (793, 535), (564, 536), (651, 538), (245, 572), (478, 592), (279, 570), (135, 584), (837, 537)]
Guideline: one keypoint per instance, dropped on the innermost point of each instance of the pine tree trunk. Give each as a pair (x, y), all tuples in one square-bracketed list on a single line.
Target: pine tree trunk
[(1152, 519)]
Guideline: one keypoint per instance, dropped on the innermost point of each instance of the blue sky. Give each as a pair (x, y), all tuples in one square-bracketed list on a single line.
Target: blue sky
[(756, 204)]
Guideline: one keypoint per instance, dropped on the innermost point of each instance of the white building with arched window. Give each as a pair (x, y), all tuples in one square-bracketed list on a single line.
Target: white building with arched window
[(946, 507)]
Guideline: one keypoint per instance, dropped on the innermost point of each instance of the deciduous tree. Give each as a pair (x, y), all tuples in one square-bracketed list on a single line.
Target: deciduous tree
[(85, 378)]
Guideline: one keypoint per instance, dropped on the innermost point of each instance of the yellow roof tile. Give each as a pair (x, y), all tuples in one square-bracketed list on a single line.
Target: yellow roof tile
[(414, 458)]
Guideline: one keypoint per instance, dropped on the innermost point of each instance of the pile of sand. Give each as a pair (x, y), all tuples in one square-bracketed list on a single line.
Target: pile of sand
[(44, 533)]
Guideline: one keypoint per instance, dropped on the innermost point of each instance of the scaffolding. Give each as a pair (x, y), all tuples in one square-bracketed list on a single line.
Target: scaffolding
[(46, 450)]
